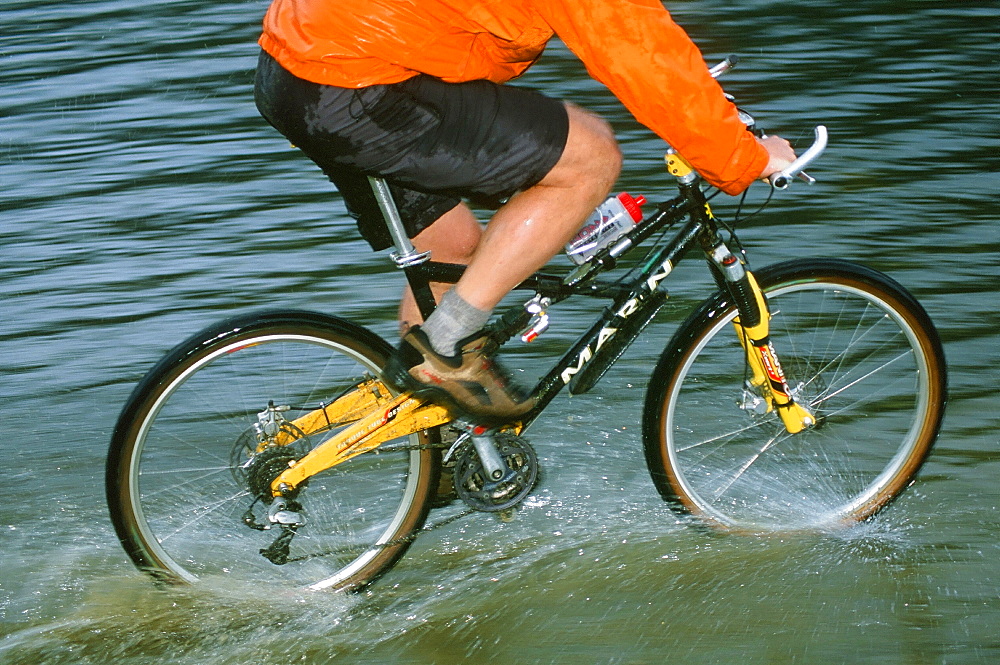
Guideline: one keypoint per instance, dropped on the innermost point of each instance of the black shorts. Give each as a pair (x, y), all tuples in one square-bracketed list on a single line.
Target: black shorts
[(435, 143)]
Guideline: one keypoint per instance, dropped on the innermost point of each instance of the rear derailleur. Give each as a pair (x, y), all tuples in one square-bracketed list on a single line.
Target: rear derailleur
[(258, 472), (287, 516), (284, 512)]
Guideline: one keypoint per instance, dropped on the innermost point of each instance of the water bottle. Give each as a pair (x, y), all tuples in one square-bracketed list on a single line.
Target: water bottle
[(610, 221)]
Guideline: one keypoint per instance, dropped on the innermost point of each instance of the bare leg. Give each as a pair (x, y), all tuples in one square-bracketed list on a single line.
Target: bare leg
[(531, 228), (535, 224), (451, 239), (522, 236)]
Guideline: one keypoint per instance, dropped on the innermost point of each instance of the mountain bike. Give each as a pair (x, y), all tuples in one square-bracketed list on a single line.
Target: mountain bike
[(267, 447)]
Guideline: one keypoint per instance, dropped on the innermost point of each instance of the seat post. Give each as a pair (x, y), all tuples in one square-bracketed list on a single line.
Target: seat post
[(406, 254)]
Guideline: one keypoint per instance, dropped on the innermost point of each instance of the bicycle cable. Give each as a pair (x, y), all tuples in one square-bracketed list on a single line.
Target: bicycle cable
[(711, 193), (738, 219), (739, 207)]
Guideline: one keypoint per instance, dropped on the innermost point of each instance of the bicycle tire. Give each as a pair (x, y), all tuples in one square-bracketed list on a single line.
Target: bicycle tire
[(856, 348), (178, 505)]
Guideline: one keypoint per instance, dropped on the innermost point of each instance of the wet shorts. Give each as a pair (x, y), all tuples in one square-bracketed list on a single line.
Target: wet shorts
[(435, 143)]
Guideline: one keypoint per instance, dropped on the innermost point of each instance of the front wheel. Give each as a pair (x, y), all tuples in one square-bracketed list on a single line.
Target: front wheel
[(186, 464), (856, 349)]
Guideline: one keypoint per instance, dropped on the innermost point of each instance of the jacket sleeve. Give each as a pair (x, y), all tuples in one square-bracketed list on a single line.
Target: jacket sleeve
[(636, 49)]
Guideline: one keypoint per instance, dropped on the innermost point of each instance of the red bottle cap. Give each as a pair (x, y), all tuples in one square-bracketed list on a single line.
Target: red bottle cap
[(632, 205)]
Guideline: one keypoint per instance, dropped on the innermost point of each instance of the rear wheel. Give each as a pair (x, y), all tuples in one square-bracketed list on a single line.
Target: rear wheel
[(182, 476), (856, 348)]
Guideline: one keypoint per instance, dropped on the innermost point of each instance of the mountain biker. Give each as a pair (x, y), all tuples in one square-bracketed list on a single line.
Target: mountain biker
[(413, 92)]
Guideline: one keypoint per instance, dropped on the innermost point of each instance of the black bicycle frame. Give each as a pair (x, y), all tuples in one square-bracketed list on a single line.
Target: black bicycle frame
[(633, 305)]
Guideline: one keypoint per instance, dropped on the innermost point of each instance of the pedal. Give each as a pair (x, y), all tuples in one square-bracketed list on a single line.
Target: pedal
[(506, 515)]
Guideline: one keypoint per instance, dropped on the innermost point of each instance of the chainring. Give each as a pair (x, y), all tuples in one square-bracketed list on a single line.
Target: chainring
[(479, 492)]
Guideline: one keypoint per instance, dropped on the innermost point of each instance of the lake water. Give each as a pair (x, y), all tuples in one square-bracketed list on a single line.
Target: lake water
[(141, 198)]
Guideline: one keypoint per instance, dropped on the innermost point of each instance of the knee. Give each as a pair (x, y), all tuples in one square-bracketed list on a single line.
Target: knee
[(592, 157), (613, 159), (464, 244), (606, 147), (453, 238)]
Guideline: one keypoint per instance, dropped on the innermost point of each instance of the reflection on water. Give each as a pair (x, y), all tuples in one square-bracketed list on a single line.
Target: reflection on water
[(143, 198)]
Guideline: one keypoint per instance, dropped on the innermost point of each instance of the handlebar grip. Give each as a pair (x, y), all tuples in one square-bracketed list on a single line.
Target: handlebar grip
[(783, 178), (724, 66)]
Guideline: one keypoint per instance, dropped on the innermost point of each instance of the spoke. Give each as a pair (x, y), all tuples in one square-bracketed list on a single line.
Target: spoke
[(205, 512), (863, 378), (746, 466), (728, 435), (840, 357), (187, 482), (168, 472), (186, 440)]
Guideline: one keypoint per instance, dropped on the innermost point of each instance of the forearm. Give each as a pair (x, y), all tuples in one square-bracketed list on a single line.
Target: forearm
[(636, 49)]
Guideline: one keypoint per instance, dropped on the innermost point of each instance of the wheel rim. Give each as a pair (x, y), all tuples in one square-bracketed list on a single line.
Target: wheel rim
[(191, 532), (744, 470)]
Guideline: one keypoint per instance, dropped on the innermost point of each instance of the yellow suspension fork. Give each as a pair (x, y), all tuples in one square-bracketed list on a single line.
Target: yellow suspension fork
[(753, 330), (753, 323), (372, 415)]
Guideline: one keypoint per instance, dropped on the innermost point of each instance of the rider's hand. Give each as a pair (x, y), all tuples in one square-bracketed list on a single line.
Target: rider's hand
[(781, 154)]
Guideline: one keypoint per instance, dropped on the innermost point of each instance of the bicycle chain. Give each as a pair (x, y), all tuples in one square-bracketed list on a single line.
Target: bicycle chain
[(410, 537), (422, 446)]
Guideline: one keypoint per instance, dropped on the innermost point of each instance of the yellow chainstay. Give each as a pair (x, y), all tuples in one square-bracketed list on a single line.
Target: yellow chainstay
[(767, 372), (377, 417)]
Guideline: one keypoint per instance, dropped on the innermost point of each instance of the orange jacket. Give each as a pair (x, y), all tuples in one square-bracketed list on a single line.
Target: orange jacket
[(631, 46)]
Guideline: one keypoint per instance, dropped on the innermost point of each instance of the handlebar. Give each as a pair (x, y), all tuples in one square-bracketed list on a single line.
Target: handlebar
[(782, 179)]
